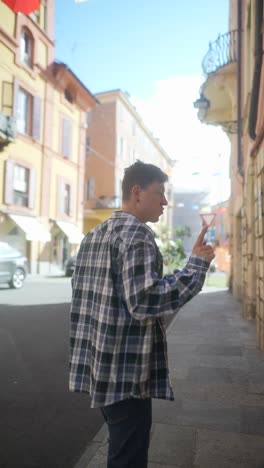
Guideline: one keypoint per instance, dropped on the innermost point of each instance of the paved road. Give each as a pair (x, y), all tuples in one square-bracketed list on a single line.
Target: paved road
[(42, 425), (38, 290)]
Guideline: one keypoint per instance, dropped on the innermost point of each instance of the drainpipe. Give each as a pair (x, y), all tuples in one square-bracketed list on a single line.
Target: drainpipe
[(258, 52), (239, 88)]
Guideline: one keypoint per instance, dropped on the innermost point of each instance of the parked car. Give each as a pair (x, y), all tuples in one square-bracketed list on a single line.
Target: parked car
[(70, 265), (213, 266), (13, 266)]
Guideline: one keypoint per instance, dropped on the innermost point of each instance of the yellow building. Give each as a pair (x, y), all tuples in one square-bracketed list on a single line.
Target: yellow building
[(43, 115), (232, 97)]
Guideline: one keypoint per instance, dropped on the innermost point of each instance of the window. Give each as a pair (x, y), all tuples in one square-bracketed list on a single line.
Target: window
[(121, 147), (66, 138), (21, 185), (87, 147), (68, 95), (24, 112), (89, 115), (40, 16), (67, 199), (90, 188), (121, 113), (7, 250), (35, 15), (26, 48), (28, 114)]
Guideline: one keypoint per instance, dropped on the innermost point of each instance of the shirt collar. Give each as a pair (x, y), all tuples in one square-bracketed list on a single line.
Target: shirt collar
[(126, 215)]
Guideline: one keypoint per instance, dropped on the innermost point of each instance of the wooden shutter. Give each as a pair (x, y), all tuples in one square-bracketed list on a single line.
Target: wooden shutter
[(60, 196), (15, 98), (36, 118), (32, 188), (71, 213), (66, 138), (9, 181), (7, 97)]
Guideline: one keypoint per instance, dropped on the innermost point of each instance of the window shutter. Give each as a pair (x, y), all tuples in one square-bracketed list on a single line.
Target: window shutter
[(9, 181), (89, 116), (15, 98), (36, 123), (7, 97), (60, 195), (71, 202), (66, 138), (32, 188), (90, 188), (70, 138)]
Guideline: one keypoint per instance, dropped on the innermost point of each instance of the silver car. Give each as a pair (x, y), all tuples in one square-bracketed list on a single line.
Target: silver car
[(13, 266)]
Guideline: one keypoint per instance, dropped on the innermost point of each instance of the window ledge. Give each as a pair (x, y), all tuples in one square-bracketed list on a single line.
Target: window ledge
[(31, 71), (28, 138)]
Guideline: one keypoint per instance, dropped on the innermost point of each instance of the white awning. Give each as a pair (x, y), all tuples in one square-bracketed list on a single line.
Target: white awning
[(73, 232), (32, 227)]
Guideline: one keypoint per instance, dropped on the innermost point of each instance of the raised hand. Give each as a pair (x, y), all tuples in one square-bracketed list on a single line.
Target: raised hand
[(201, 248)]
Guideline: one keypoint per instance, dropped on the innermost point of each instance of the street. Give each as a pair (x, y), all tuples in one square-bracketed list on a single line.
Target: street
[(42, 424), (38, 290)]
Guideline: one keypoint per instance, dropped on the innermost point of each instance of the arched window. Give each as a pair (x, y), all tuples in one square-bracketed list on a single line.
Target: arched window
[(26, 48)]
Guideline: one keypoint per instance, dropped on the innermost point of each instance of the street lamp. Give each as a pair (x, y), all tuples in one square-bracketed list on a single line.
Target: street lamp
[(202, 104)]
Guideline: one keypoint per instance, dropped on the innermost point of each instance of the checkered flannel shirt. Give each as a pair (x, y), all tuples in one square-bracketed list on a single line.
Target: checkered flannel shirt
[(118, 345)]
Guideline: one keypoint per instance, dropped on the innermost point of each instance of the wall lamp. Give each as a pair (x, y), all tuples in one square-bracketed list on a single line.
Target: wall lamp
[(202, 104)]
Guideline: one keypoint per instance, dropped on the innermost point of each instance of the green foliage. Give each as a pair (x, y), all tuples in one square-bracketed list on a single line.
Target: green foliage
[(171, 246)]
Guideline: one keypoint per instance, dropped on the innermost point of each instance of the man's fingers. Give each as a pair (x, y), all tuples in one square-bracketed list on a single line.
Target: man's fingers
[(201, 235)]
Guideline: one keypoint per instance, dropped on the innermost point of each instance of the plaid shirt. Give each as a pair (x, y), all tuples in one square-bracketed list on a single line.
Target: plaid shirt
[(118, 345)]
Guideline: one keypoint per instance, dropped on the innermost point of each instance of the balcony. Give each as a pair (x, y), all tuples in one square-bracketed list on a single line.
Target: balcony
[(104, 202), (98, 210), (7, 130), (218, 95)]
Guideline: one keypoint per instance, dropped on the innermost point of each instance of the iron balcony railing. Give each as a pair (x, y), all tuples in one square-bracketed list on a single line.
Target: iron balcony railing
[(221, 52), (106, 202)]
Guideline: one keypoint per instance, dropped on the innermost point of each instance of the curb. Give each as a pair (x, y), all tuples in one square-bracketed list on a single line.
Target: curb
[(98, 441)]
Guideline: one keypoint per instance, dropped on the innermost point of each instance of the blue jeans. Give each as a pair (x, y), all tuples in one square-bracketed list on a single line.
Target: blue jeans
[(129, 423)]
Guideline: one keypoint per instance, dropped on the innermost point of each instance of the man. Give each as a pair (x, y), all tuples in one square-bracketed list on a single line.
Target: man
[(118, 352)]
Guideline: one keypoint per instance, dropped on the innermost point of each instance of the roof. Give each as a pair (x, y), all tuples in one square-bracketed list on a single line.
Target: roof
[(68, 69)]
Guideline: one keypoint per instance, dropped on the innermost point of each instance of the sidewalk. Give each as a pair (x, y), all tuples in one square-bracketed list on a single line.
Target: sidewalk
[(217, 418)]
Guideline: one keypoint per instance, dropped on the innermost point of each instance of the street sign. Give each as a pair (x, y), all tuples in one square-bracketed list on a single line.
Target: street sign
[(207, 218), (210, 235)]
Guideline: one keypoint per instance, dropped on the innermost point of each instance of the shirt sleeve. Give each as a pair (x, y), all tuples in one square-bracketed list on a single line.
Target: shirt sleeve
[(147, 295)]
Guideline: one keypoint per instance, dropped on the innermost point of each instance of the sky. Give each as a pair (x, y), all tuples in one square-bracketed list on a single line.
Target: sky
[(153, 50)]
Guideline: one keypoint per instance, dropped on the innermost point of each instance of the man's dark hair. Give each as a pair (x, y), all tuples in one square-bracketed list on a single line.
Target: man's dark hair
[(141, 174)]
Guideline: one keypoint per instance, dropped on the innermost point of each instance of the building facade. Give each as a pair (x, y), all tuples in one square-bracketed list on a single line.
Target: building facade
[(43, 108), (116, 138), (232, 96)]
